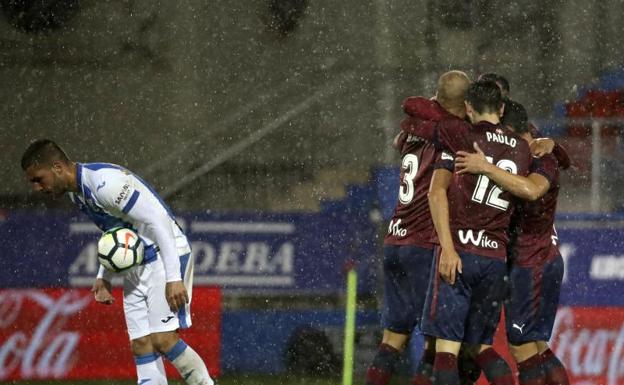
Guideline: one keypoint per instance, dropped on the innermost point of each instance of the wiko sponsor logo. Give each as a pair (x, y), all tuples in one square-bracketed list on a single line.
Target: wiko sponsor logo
[(46, 350), (479, 240), (395, 229), (607, 267)]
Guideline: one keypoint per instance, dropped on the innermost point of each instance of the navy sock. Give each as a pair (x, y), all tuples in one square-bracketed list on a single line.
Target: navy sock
[(555, 371), (381, 370), (445, 369), (495, 368), (531, 371), (469, 371), (424, 372)]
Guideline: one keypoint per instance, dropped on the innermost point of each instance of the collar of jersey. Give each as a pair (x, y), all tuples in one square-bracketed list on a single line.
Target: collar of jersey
[(79, 178), (485, 125)]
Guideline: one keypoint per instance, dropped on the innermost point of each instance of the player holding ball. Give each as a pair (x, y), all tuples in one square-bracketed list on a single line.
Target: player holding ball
[(157, 293)]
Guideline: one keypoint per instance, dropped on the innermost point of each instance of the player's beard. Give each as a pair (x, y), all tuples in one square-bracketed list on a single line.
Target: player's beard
[(58, 188)]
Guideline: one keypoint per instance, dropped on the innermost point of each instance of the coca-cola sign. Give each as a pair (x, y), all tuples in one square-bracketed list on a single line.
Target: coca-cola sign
[(43, 349), (589, 341), (64, 334)]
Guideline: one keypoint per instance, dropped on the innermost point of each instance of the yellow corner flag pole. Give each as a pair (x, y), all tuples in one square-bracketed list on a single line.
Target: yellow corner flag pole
[(349, 340)]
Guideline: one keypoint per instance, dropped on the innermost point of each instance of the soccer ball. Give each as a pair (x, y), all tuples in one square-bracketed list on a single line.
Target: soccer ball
[(119, 249)]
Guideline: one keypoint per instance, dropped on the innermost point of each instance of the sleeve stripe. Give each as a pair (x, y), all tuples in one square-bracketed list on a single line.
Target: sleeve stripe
[(445, 164), (131, 202)]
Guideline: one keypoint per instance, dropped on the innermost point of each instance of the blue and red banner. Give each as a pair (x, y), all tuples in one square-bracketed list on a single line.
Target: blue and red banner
[(594, 266), (300, 252)]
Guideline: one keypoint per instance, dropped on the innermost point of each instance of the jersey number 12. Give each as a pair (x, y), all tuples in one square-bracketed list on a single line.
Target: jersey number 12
[(493, 198)]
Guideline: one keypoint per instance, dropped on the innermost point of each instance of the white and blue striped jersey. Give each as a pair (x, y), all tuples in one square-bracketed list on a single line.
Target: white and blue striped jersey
[(112, 196)]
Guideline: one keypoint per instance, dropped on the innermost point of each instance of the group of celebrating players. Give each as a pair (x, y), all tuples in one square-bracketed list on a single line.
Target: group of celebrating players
[(472, 232)]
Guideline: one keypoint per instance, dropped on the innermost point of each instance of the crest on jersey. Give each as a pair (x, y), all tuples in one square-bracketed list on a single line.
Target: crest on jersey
[(499, 131), (446, 156)]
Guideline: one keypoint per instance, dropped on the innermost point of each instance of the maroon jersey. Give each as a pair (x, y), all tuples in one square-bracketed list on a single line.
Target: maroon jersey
[(411, 223), (533, 232), (479, 210), (559, 151)]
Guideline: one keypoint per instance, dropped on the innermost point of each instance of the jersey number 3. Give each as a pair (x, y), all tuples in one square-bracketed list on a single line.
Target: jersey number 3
[(409, 166), (493, 198)]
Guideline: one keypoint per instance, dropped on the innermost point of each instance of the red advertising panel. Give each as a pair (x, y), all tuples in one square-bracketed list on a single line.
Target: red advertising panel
[(64, 333), (589, 341)]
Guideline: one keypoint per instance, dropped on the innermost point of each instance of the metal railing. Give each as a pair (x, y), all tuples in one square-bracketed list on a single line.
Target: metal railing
[(228, 121), (324, 91), (594, 126)]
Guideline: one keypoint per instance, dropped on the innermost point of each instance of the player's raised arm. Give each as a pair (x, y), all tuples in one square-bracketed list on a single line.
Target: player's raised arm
[(422, 118), (399, 140), (447, 134), (450, 263), (425, 129), (532, 187), (562, 156), (543, 146), (419, 107), (440, 121)]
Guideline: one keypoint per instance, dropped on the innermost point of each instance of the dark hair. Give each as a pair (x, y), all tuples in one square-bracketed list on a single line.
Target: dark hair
[(501, 81), (484, 96), (516, 117), (43, 151)]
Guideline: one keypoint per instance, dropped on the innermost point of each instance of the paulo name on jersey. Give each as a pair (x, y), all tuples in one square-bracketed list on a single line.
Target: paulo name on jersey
[(479, 210), (115, 197)]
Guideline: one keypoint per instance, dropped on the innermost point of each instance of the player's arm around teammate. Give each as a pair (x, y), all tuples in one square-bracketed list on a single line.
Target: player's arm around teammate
[(531, 187)]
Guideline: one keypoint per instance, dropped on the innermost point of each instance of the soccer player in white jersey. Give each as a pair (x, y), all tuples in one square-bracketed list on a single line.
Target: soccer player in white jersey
[(157, 293)]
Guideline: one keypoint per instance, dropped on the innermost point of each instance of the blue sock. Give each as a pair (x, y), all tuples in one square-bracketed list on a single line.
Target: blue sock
[(189, 364), (148, 369)]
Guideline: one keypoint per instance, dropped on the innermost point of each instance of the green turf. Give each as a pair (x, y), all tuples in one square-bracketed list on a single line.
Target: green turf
[(225, 380)]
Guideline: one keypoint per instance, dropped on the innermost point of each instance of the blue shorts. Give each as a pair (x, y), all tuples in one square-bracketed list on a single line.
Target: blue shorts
[(533, 301), (469, 310), (406, 272)]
